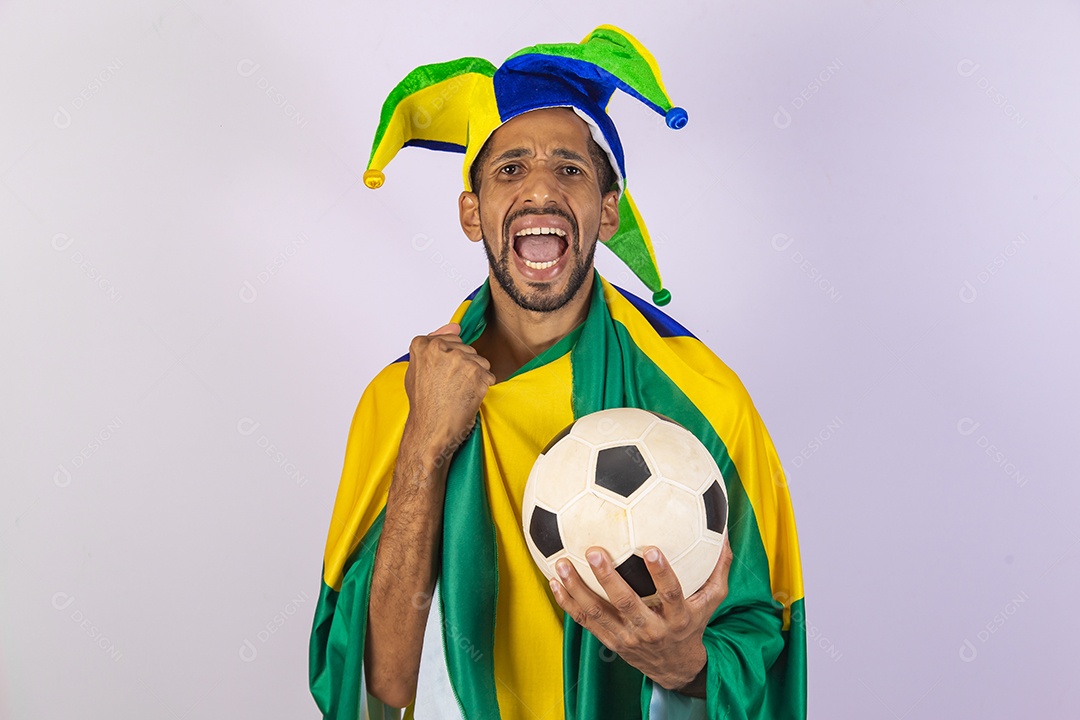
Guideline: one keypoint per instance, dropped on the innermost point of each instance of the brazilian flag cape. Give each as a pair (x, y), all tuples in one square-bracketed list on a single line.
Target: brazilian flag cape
[(625, 354)]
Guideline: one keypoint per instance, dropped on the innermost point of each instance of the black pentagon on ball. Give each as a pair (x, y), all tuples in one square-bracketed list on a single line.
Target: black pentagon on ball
[(636, 575), (621, 470), (715, 508), (544, 530), (663, 417)]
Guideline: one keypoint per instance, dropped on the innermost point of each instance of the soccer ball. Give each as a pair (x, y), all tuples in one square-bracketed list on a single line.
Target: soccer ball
[(624, 479)]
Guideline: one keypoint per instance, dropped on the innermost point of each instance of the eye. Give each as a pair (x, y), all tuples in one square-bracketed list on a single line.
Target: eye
[(572, 170), (509, 169)]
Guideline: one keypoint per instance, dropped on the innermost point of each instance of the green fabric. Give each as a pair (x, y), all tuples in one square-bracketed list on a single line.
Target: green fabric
[(336, 652), (469, 570), (741, 642), (420, 78), (611, 50), (754, 669), (628, 244), (469, 561)]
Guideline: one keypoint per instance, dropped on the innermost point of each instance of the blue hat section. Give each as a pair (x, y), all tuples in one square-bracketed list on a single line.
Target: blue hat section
[(534, 81)]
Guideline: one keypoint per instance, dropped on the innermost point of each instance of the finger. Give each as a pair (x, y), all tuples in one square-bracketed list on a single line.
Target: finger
[(566, 601), (484, 379), (479, 359), (453, 343), (715, 590), (668, 588), (576, 610), (447, 329), (447, 343), (432, 344), (623, 598), (589, 609), (483, 374)]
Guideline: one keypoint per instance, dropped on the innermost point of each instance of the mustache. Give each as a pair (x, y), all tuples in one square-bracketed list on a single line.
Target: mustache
[(544, 211)]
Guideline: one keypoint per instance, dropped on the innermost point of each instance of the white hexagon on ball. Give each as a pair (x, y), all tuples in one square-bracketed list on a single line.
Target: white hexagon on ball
[(671, 513), (679, 456), (594, 520), (613, 426), (563, 462)]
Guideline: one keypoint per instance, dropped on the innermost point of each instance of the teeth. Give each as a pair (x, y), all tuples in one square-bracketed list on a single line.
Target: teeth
[(541, 231), (539, 266)]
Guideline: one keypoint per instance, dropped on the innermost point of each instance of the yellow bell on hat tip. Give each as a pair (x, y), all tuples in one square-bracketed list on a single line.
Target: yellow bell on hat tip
[(374, 179)]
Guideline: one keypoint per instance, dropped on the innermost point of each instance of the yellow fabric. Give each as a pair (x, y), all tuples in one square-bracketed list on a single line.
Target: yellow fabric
[(518, 418), (483, 120), (685, 360), (460, 312), (378, 424), (440, 112)]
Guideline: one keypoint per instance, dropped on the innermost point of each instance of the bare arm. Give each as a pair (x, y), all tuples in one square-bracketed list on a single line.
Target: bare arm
[(445, 382), (404, 574)]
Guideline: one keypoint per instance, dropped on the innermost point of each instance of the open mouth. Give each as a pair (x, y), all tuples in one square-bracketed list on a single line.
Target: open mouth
[(540, 247)]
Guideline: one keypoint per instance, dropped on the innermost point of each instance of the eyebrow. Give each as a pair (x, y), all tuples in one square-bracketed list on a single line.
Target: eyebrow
[(521, 152)]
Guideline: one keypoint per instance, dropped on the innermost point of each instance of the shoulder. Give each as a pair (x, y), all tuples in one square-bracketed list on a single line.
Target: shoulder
[(390, 381), (673, 347), (390, 375), (385, 393)]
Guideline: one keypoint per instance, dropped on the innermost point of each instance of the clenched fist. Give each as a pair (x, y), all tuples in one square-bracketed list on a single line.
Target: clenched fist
[(446, 381)]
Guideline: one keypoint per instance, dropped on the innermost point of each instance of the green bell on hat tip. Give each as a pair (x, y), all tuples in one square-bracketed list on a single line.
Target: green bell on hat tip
[(661, 297)]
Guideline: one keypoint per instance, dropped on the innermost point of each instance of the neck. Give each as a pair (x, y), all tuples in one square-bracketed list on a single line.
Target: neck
[(514, 335)]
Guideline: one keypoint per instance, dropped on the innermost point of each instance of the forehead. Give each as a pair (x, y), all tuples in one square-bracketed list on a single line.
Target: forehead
[(542, 129)]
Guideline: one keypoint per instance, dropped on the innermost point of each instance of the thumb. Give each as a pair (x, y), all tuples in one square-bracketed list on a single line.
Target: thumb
[(447, 329)]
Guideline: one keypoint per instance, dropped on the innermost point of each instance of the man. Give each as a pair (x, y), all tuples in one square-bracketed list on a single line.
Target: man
[(426, 543)]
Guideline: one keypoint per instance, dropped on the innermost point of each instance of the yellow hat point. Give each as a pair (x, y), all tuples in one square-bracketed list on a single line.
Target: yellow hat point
[(374, 179)]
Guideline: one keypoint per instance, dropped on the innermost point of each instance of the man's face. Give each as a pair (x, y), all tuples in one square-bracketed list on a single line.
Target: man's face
[(540, 211)]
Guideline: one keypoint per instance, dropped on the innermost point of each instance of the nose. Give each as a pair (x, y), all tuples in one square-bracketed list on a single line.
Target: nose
[(541, 188)]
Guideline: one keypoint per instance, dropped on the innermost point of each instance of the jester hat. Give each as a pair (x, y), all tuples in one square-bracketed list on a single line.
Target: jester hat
[(455, 106)]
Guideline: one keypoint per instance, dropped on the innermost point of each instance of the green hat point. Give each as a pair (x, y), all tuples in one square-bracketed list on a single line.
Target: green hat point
[(661, 297)]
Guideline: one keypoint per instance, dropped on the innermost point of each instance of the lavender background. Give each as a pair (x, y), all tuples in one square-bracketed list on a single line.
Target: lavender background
[(872, 216)]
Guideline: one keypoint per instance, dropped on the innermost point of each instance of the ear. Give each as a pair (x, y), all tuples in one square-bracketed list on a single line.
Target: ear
[(469, 213), (609, 215)]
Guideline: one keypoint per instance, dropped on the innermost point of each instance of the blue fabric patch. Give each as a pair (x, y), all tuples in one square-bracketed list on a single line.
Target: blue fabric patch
[(533, 81), (661, 322), (436, 145)]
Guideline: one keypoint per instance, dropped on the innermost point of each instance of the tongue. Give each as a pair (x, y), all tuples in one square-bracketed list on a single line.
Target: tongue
[(540, 248)]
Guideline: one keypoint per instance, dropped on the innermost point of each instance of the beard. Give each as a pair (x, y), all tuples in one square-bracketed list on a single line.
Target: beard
[(540, 299)]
